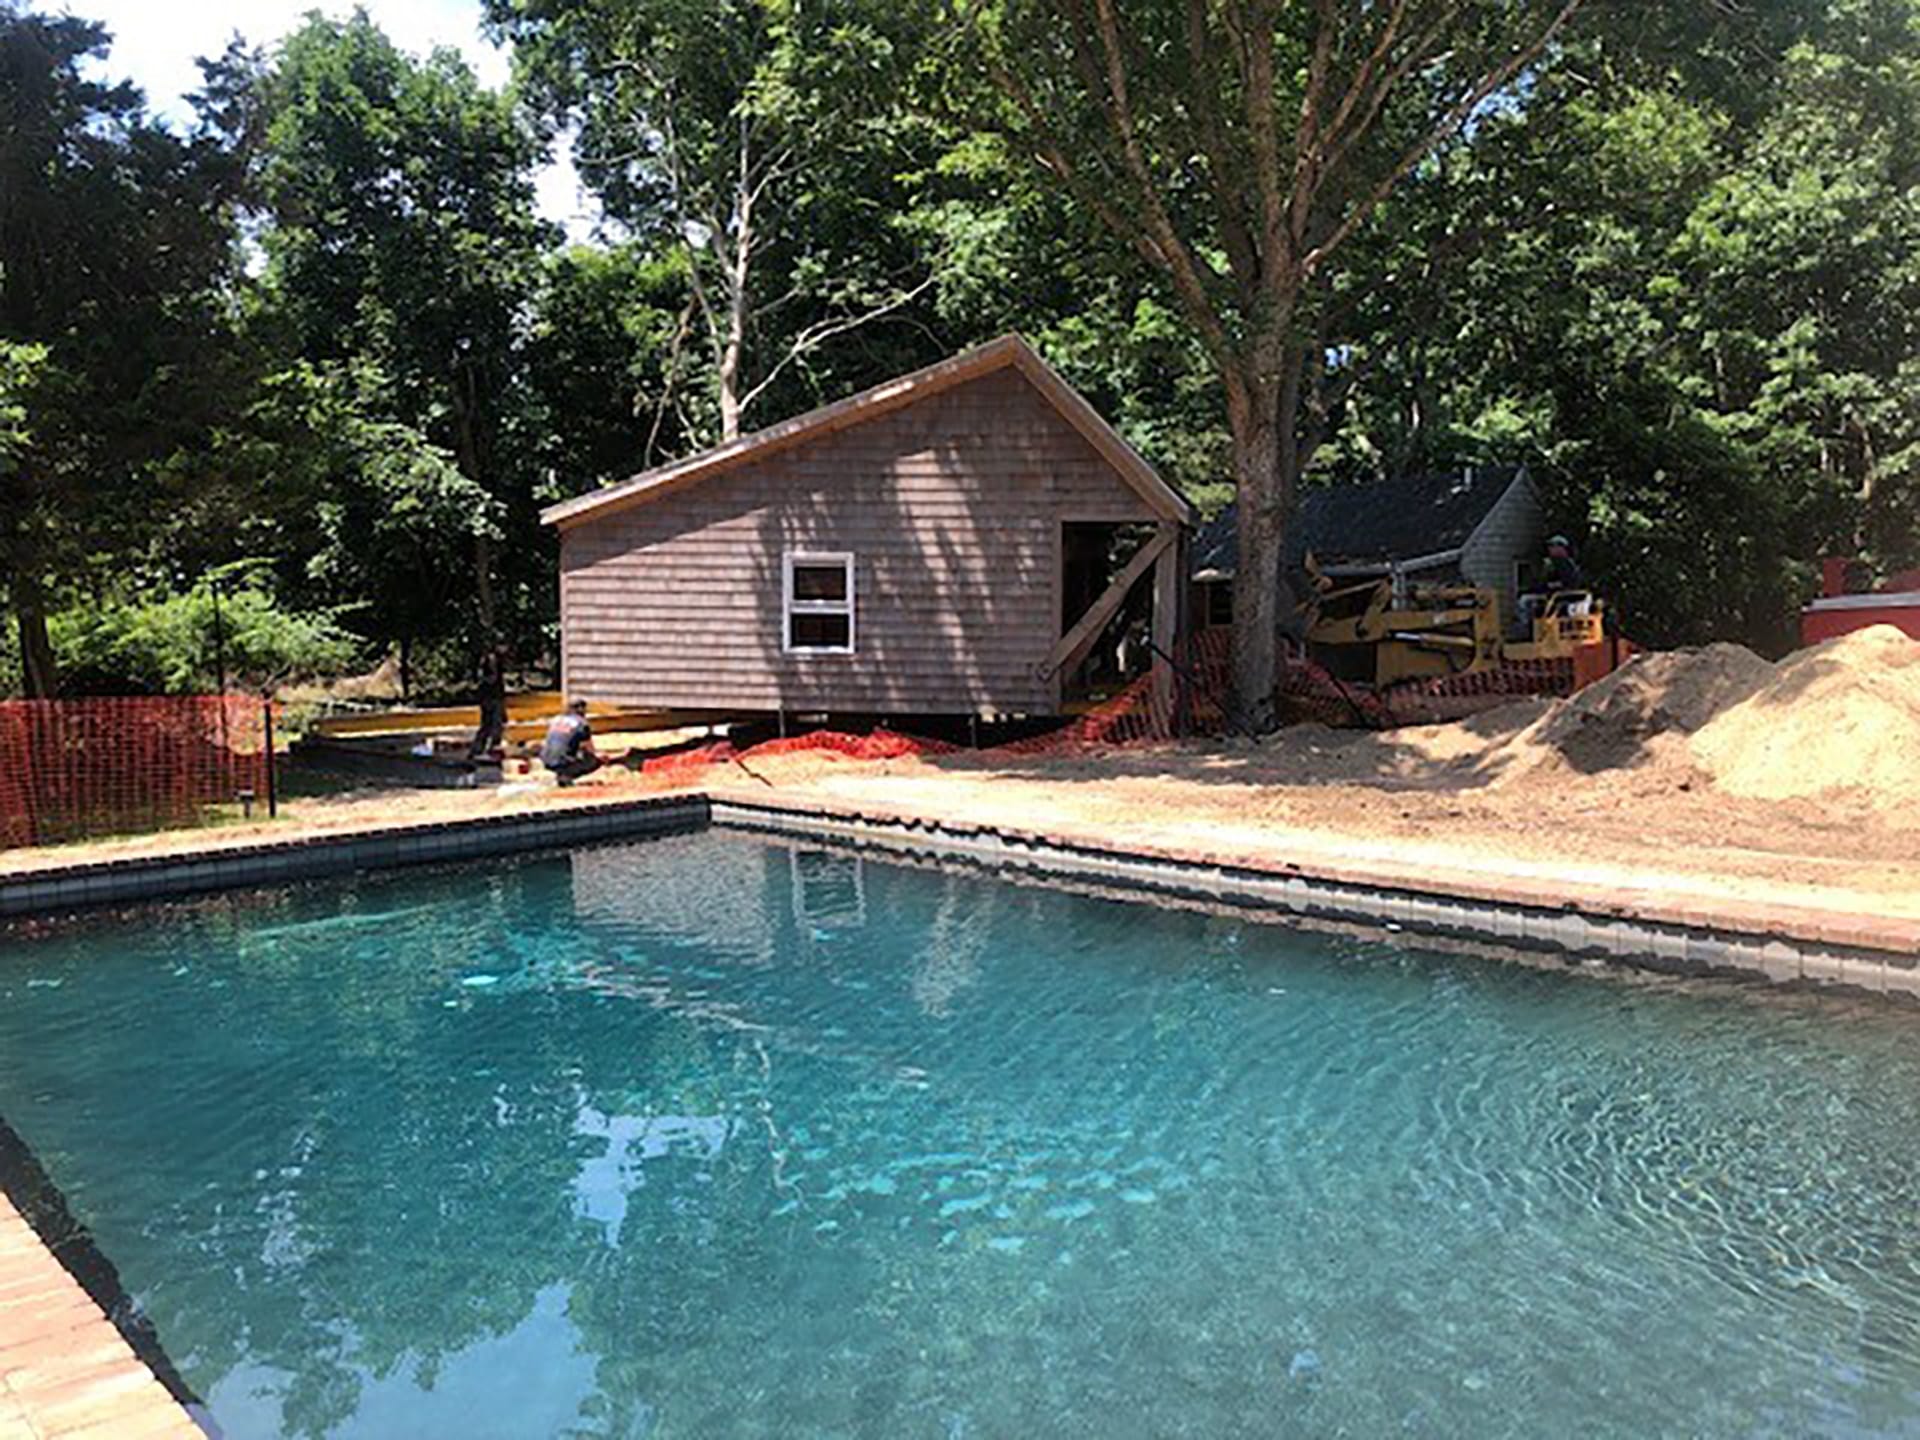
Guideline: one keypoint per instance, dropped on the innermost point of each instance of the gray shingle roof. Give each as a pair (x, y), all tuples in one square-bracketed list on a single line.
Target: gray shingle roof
[(1387, 520)]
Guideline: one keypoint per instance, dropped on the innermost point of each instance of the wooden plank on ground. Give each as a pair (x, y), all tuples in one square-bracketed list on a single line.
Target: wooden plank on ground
[(522, 718)]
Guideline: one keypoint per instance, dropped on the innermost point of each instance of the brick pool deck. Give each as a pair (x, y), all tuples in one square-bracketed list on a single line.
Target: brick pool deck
[(66, 1371)]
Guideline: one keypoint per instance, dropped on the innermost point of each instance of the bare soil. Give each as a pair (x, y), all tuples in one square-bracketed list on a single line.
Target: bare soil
[(1645, 782), (1384, 804)]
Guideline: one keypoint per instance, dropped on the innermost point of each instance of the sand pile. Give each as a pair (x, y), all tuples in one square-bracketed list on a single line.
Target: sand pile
[(1615, 723), (1843, 715)]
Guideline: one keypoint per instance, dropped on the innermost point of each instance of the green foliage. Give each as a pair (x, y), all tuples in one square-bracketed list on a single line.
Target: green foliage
[(170, 642), (19, 367), (115, 246), (608, 332), (1677, 272), (401, 248), (1686, 294)]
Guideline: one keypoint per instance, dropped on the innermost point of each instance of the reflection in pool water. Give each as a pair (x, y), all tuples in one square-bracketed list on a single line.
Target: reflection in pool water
[(715, 1136)]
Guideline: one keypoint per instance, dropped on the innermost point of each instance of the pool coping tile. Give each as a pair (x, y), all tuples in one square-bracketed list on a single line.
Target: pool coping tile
[(276, 859), (1676, 933)]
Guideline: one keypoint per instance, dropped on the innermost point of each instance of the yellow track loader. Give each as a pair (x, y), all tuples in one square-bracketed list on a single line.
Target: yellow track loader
[(1382, 630)]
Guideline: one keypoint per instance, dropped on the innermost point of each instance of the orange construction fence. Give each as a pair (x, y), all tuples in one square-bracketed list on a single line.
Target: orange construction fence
[(1147, 711), (71, 769)]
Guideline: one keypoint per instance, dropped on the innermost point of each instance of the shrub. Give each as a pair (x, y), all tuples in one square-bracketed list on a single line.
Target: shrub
[(170, 643)]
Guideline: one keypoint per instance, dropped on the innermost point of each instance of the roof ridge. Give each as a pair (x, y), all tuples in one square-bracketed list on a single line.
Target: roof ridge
[(1010, 349)]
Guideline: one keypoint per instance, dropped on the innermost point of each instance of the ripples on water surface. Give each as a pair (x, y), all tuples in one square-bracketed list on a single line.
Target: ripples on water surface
[(712, 1137)]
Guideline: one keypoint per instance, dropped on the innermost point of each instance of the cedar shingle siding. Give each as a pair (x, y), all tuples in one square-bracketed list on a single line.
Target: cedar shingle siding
[(951, 506)]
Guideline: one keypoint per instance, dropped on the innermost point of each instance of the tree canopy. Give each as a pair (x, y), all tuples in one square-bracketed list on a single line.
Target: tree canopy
[(1665, 257)]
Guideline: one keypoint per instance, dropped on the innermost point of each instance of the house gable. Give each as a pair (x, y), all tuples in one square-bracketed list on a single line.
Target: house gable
[(1010, 352), (951, 508), (1511, 531)]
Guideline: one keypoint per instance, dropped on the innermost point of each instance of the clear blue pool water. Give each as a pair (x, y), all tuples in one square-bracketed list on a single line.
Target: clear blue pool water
[(712, 1136)]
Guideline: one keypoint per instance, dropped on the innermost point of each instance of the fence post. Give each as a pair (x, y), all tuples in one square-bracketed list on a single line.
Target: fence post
[(273, 787)]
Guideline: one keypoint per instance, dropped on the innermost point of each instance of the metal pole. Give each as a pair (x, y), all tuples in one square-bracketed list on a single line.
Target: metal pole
[(273, 787), (219, 638), (220, 665)]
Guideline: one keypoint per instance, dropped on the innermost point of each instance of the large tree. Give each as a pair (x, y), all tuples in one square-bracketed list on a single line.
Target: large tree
[(402, 244), (1238, 147), (760, 135), (115, 246)]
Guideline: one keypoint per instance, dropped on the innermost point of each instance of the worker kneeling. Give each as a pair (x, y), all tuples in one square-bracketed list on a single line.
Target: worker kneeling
[(568, 749)]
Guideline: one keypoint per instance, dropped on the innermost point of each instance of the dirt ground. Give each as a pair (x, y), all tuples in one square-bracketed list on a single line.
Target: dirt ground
[(1406, 802), (1705, 774), (1411, 812)]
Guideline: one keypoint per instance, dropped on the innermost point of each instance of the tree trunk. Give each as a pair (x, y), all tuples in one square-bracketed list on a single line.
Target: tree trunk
[(733, 347), (493, 671), (1264, 418), (1256, 573), (40, 676), (739, 273), (730, 387), (492, 660)]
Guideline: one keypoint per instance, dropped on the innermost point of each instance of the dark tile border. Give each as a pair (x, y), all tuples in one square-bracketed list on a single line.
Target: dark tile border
[(156, 877), (1856, 953), (1664, 945)]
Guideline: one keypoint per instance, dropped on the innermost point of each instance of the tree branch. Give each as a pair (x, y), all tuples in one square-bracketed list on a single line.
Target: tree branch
[(814, 336), (1455, 117), (669, 385), (1178, 259), (1263, 131), (1053, 155), (1306, 140), (1382, 48), (1243, 255), (1421, 51)]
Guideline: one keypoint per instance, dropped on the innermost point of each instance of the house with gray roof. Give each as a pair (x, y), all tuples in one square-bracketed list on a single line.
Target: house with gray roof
[(1484, 525)]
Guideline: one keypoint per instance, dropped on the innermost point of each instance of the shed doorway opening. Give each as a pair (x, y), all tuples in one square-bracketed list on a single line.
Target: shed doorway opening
[(1094, 555)]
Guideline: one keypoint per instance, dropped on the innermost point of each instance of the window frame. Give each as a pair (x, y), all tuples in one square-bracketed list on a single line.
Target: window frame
[(790, 606), (811, 917)]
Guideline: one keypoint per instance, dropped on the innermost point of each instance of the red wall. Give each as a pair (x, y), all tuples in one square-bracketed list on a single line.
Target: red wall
[(1818, 625)]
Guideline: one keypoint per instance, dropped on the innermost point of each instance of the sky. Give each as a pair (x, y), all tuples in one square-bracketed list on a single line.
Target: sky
[(155, 43)]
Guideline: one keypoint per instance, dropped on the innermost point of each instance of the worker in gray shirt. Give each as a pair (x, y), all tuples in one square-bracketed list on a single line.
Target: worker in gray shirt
[(568, 749)]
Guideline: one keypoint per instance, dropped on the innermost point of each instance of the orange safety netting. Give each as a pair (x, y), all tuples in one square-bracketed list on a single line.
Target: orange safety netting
[(70, 769), (880, 744), (1193, 702), (1307, 691), (1147, 711)]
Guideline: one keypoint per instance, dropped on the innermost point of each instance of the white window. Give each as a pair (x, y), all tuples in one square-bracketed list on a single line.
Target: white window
[(829, 892), (818, 611)]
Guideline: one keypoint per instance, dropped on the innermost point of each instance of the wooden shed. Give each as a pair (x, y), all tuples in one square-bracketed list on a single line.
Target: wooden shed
[(952, 542)]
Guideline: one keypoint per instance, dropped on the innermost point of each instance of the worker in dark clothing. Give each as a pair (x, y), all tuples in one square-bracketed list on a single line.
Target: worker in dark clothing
[(1559, 574), (568, 749), (1562, 571)]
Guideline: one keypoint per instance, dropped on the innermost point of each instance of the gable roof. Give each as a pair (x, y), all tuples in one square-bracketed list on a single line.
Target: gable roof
[(1007, 351), (1387, 520)]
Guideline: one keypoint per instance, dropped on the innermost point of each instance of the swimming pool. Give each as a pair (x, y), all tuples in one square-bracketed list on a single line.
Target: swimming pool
[(713, 1135)]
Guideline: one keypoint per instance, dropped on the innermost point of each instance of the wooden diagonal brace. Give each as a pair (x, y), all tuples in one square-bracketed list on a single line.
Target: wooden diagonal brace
[(1073, 646)]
